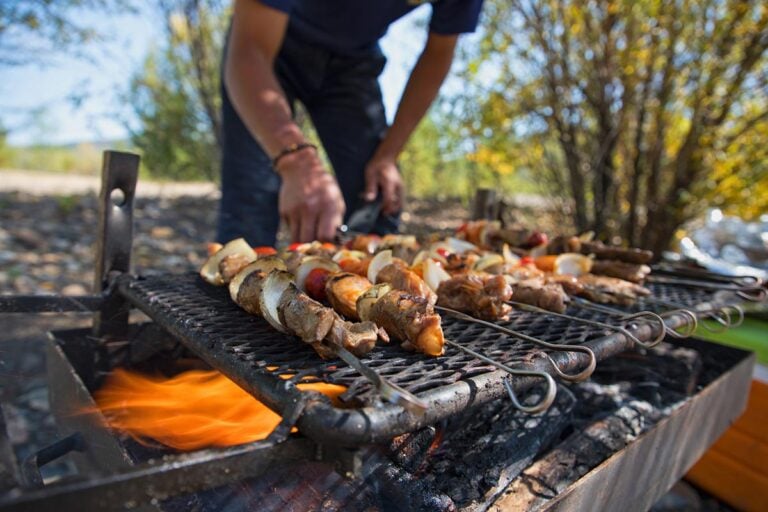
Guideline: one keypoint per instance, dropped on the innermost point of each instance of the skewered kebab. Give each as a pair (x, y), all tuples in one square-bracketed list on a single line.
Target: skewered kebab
[(407, 316), (410, 318), (624, 263), (264, 288)]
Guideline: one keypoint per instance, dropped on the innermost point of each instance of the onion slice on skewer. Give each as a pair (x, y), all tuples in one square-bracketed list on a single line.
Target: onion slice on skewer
[(272, 289), (211, 271), (488, 261), (252, 276), (378, 262), (434, 274), (574, 264), (366, 301)]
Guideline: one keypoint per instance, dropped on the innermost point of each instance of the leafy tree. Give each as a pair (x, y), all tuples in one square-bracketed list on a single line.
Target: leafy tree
[(176, 94), (33, 30), (643, 112)]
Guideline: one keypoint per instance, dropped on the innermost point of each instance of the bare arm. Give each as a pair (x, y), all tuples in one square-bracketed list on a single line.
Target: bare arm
[(310, 200), (426, 78)]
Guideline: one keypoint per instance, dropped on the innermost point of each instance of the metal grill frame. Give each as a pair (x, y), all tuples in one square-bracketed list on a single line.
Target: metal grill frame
[(372, 422)]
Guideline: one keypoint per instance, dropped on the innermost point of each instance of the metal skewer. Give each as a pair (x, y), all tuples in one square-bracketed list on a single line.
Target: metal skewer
[(752, 293), (721, 315), (617, 328), (581, 376), (390, 391), (541, 405), (648, 316)]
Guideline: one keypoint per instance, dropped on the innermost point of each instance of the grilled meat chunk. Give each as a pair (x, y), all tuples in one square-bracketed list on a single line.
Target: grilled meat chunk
[(626, 271), (561, 244), (304, 317), (522, 272), (365, 243), (607, 252), (249, 291), (515, 237), (537, 292), (410, 319), (459, 263), (292, 260), (343, 290), (359, 337), (404, 247), (570, 283), (232, 264), (481, 297), (611, 290), (401, 278)]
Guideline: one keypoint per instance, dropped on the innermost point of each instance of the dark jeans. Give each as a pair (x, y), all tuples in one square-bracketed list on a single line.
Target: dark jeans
[(343, 98)]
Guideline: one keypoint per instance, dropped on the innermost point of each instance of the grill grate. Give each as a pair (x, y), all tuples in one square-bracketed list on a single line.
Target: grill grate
[(208, 322)]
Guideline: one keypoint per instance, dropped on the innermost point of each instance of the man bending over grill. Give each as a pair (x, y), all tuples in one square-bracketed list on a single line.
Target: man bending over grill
[(325, 54)]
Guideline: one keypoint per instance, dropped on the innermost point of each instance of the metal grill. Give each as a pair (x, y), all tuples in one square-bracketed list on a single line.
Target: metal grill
[(263, 361)]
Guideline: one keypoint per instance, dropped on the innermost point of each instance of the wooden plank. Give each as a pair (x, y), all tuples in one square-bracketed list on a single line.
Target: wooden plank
[(754, 421), (734, 483), (743, 449)]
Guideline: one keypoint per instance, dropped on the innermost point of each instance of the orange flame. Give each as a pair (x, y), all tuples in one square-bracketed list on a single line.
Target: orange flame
[(436, 442), (192, 410)]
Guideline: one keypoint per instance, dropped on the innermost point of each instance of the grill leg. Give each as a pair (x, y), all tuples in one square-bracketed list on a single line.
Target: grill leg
[(119, 174)]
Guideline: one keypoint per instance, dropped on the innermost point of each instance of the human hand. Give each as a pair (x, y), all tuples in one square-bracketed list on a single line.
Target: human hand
[(381, 173), (310, 200)]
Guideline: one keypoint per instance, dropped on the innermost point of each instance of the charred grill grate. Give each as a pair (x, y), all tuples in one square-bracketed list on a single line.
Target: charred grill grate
[(234, 342)]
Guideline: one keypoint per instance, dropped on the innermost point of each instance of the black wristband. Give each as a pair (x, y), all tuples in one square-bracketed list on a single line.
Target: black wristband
[(292, 149)]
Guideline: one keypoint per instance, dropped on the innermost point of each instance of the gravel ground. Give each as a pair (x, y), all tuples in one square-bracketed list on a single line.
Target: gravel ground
[(47, 241)]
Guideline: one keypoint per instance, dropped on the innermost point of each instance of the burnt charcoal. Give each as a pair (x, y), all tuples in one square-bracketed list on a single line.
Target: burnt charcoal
[(481, 452), (403, 492), (408, 450), (715, 359), (670, 371), (583, 450)]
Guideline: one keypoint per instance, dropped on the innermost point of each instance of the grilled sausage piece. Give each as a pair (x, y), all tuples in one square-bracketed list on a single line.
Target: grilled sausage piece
[(619, 269), (343, 290), (481, 297), (410, 319), (607, 252)]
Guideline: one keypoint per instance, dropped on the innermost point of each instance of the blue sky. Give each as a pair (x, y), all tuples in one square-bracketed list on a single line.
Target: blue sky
[(46, 91)]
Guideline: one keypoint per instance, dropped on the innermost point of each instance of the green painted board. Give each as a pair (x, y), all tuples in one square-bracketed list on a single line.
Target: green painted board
[(751, 335)]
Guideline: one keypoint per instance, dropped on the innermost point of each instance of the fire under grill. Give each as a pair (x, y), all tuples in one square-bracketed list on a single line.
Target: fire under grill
[(268, 364)]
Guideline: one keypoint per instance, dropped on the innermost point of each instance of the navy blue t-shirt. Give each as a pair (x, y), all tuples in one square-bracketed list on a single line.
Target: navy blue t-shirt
[(355, 26)]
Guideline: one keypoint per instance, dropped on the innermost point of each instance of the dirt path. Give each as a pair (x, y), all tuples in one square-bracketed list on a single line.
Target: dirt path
[(48, 183)]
